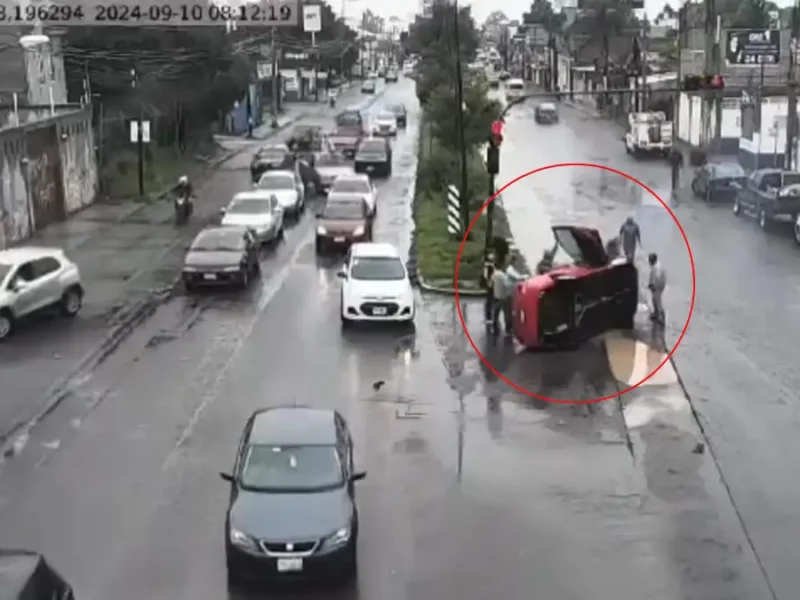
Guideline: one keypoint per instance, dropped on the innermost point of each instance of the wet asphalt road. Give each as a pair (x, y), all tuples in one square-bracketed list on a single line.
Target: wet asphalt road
[(738, 360), (471, 489)]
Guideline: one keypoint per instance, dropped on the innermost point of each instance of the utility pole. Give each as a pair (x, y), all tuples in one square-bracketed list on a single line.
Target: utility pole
[(643, 49), (316, 65), (460, 121), (275, 88), (675, 162), (791, 117), (712, 98), (139, 136)]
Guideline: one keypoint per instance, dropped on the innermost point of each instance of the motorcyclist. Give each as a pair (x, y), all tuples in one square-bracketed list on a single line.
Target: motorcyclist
[(183, 189), (332, 93)]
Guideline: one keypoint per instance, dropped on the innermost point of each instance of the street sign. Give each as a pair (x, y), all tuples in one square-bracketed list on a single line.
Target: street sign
[(753, 47), (312, 18)]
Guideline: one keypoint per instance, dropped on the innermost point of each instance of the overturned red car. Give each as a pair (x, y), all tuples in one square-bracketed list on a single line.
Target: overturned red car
[(577, 301)]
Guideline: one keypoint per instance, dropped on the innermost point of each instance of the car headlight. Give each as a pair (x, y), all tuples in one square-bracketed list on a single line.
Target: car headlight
[(340, 538), (242, 540), (321, 230), (358, 231), (232, 269)]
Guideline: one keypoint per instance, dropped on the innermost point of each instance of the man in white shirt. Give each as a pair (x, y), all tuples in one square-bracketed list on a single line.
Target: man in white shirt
[(656, 285), (504, 279)]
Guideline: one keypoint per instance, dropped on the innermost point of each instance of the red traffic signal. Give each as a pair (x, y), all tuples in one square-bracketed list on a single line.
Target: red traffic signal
[(497, 128), (717, 82)]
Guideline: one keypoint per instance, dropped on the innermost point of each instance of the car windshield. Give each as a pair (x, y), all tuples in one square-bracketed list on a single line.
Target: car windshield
[(728, 170), (218, 240), (248, 206), (517, 87), (331, 160), (350, 118), (290, 468), (378, 269), (344, 210), (373, 147), (350, 186), (270, 181), (4, 271)]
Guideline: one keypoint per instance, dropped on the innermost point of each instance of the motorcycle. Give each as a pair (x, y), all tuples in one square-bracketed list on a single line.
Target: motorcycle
[(183, 209)]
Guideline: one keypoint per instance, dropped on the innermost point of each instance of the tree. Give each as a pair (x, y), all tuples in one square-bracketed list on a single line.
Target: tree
[(667, 14), (541, 13), (478, 116)]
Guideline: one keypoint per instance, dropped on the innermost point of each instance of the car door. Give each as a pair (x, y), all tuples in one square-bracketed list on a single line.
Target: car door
[(749, 198), (44, 288), (702, 178)]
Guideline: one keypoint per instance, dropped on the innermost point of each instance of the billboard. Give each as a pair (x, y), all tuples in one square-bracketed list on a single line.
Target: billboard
[(753, 47)]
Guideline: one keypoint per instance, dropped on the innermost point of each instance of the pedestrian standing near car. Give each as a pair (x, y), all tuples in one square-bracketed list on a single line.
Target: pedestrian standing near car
[(487, 281), (657, 283), (630, 237), (504, 279)]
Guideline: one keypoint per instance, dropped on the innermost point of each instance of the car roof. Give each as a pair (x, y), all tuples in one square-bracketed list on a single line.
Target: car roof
[(26, 253), (547, 106), (252, 195), (374, 249), (516, 82), (293, 426), (352, 177), (216, 228)]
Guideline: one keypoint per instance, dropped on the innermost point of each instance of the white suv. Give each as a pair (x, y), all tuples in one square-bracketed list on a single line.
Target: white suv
[(375, 286), (36, 279)]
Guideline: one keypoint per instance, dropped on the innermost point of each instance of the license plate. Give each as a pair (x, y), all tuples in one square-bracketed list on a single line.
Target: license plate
[(379, 311), (289, 565), (370, 169), (210, 276), (338, 240)]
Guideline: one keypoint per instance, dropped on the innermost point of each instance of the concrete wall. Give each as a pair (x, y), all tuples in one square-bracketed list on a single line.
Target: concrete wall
[(50, 181)]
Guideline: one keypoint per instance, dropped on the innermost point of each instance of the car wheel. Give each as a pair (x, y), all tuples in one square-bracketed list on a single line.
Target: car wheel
[(763, 220), (71, 302), (737, 208), (6, 324)]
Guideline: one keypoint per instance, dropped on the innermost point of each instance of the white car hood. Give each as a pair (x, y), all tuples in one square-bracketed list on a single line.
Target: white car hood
[(386, 122), (248, 220), (378, 290)]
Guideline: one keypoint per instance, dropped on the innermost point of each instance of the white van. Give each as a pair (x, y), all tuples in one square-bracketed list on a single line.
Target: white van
[(515, 88)]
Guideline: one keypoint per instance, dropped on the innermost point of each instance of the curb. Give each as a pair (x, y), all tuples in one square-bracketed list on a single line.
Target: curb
[(135, 316), (448, 291)]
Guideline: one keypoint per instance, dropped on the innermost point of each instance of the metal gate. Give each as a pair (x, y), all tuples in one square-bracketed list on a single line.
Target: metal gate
[(44, 176)]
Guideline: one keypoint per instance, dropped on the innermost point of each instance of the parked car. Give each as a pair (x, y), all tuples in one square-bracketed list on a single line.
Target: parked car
[(357, 183), (374, 156), (385, 124), (292, 507), (546, 113), (221, 256), (769, 195), (718, 182), (391, 76), (400, 114), (515, 89), (343, 221), (259, 210), (329, 167), (34, 280), (288, 188), (376, 286)]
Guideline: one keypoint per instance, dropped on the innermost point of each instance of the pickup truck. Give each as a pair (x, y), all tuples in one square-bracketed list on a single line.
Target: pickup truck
[(769, 196)]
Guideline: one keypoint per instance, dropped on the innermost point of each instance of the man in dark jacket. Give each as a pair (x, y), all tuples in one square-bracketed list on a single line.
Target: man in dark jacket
[(630, 237), (486, 281)]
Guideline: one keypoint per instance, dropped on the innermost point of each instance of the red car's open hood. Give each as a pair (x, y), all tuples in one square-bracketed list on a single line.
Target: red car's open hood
[(583, 244)]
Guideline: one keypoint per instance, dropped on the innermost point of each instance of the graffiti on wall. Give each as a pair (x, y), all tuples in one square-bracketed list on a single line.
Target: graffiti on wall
[(44, 177)]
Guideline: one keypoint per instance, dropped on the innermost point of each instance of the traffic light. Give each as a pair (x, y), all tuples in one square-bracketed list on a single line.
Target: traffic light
[(699, 83), (497, 128)]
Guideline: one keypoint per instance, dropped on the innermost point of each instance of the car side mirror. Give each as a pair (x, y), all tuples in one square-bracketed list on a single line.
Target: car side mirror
[(342, 274), (18, 285), (227, 477), (358, 476)]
